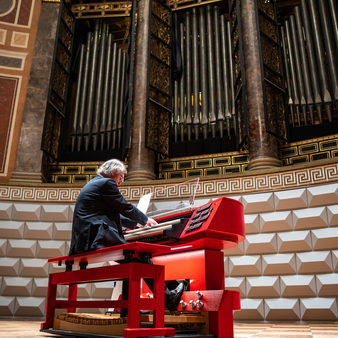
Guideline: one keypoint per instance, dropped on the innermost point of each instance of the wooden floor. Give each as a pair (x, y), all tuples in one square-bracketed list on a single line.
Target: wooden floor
[(28, 329)]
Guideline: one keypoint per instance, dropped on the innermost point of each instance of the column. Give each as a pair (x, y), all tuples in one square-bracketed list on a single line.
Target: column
[(263, 151), (141, 161), (29, 156)]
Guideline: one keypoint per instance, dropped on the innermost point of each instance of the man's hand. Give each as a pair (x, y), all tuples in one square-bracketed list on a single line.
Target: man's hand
[(149, 224)]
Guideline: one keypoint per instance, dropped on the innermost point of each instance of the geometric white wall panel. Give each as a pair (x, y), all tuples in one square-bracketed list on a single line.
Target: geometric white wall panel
[(21, 248), (282, 309), (26, 212), (318, 308), (260, 243), (7, 306), (34, 267), (327, 193), (290, 199), (335, 260), (5, 210), (279, 264), (236, 283), (276, 221), (9, 266), (314, 262), (3, 247), (245, 265), (62, 231), (16, 286), (39, 230), (327, 284), (251, 309), (83, 290), (55, 212), (12, 229), (39, 287), (332, 214), (310, 218), (50, 249), (263, 286), (293, 241), (298, 286), (254, 203), (238, 250), (326, 238), (103, 289), (30, 306), (251, 222)]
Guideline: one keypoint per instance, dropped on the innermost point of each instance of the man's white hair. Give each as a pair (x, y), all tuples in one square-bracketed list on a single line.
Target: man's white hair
[(111, 167)]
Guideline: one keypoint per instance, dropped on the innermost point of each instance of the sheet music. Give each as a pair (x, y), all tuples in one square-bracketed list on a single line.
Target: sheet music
[(144, 202)]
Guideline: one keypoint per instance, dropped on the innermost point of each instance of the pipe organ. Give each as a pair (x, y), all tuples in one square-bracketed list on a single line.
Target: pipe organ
[(100, 89), (309, 38), (203, 95)]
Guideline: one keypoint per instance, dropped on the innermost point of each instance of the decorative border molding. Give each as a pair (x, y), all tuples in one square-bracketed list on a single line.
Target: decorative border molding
[(260, 181)]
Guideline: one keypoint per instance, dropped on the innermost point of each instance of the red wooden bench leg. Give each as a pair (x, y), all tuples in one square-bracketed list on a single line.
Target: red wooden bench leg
[(158, 319), (50, 305), (72, 296)]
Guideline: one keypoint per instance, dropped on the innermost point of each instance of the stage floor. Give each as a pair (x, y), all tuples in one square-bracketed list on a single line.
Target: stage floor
[(30, 329)]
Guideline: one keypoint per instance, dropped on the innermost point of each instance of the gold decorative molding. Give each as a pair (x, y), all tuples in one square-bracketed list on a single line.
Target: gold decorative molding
[(219, 185)]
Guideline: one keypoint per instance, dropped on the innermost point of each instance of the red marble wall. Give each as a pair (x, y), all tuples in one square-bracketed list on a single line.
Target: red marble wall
[(18, 27)]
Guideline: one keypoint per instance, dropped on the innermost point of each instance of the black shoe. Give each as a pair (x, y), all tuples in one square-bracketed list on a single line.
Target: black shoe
[(175, 297), (124, 313)]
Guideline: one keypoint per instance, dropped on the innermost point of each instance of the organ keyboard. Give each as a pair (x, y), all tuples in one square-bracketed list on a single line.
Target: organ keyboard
[(217, 224)]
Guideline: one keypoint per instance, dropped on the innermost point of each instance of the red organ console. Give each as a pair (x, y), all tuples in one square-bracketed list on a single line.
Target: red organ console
[(185, 246), (196, 241)]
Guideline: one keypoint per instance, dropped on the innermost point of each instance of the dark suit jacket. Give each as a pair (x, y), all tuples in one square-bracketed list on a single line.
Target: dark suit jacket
[(96, 221)]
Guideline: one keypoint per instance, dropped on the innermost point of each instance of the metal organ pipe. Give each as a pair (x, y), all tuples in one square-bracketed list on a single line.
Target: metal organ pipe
[(232, 90), (218, 66), (121, 101), (329, 48), (182, 85), (203, 96), (320, 57), (196, 118), (312, 59), (78, 95), (211, 77), (105, 98), (304, 64), (188, 73)]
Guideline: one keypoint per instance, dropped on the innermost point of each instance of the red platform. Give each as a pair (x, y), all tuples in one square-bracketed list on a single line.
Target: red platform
[(132, 271)]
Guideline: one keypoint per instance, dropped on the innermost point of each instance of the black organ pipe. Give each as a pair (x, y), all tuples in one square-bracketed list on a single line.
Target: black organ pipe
[(203, 70), (304, 64), (312, 59), (188, 74), (78, 96), (105, 98), (211, 77), (182, 86), (196, 118), (176, 111), (320, 57)]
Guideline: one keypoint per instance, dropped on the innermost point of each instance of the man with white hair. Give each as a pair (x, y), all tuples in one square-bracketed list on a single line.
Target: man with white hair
[(99, 211)]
